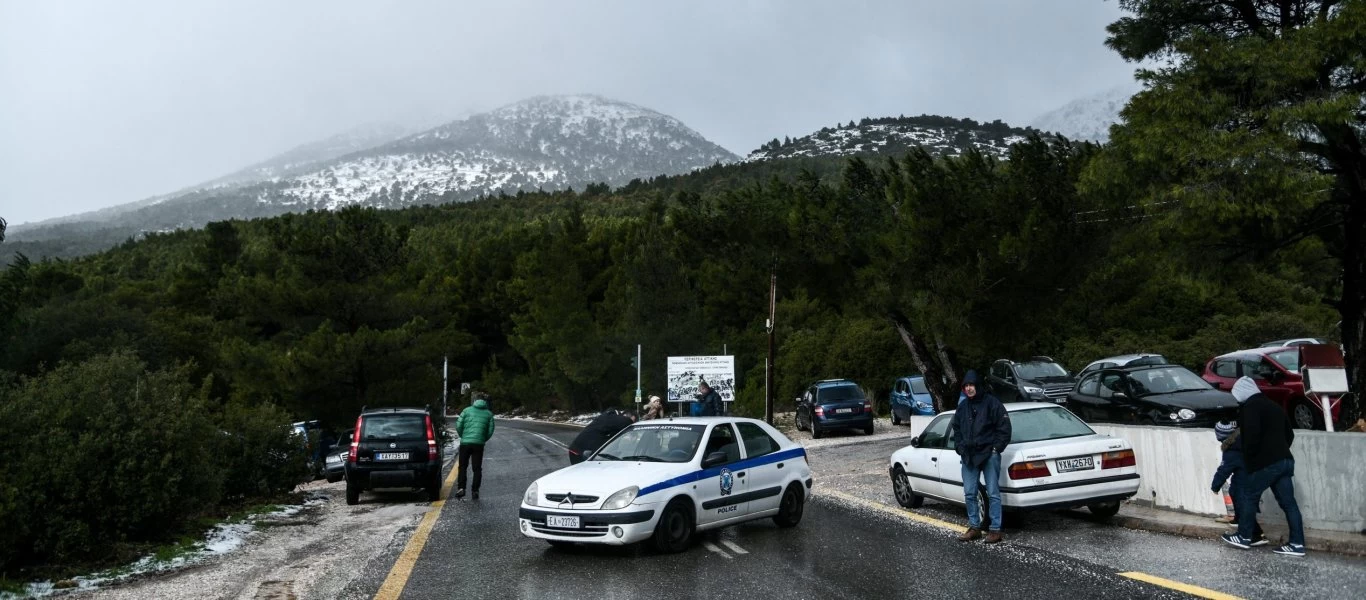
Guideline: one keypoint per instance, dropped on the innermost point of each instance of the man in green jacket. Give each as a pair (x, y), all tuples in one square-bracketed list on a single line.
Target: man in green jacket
[(475, 427)]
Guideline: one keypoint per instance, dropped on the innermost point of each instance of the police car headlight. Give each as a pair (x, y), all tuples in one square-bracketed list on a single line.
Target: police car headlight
[(1185, 414), (621, 499), (530, 497)]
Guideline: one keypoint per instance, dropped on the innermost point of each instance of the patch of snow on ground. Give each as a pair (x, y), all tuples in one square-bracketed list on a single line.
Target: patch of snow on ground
[(224, 538)]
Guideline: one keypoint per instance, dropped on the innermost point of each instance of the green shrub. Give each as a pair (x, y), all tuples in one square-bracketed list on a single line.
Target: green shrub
[(103, 452), (259, 454)]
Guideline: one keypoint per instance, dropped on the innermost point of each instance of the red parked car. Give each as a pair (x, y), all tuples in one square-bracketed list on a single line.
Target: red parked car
[(1277, 373)]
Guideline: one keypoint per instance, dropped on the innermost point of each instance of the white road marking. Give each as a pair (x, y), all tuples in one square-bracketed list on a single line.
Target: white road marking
[(734, 547), (714, 548), (548, 439)]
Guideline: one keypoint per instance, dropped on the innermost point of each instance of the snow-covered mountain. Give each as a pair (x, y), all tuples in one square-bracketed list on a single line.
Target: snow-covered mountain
[(546, 142), (301, 158), (941, 136), (1087, 118)]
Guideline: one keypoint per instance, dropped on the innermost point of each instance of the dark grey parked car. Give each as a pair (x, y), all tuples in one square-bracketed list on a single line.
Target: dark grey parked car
[(335, 469)]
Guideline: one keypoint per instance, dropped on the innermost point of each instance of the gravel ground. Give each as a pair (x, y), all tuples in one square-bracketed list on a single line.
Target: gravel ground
[(315, 553)]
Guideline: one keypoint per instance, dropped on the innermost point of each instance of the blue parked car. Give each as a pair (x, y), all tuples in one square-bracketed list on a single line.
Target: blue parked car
[(910, 397)]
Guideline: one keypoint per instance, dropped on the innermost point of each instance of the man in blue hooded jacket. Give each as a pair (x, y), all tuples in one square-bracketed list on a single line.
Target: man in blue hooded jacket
[(981, 432)]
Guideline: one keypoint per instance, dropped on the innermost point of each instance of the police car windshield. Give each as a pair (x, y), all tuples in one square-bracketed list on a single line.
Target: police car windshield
[(650, 442)]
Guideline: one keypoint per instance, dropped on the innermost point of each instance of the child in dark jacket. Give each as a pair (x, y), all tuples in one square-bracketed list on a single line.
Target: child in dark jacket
[(1228, 435)]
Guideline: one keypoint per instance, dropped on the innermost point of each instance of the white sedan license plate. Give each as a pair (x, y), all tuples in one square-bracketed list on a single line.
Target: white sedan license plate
[(391, 456), (844, 410), (1085, 463), (562, 522)]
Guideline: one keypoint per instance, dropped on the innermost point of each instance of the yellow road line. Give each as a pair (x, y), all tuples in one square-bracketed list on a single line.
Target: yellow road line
[(894, 511), (1193, 590), (398, 576)]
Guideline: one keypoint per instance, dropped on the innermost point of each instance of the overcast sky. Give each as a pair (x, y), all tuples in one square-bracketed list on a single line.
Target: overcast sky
[(103, 103)]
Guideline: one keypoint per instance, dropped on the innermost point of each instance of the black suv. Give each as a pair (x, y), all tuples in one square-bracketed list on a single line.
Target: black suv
[(393, 448), (1039, 379)]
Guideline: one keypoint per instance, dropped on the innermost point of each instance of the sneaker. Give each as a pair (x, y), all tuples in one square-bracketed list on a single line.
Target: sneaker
[(1259, 540), (475, 495), (971, 534), (1290, 550), (1234, 540), (459, 493)]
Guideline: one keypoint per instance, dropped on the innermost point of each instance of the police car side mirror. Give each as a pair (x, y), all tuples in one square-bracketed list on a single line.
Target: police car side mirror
[(715, 458), (915, 442)]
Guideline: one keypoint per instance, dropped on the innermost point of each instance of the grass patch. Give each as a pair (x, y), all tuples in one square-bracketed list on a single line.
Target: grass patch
[(12, 587)]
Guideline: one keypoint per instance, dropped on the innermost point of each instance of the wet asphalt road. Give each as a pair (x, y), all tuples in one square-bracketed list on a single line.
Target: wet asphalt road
[(840, 550)]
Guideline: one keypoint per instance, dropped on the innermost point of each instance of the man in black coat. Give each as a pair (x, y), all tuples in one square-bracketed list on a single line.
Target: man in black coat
[(981, 432), (1266, 435), (712, 404), (598, 431)]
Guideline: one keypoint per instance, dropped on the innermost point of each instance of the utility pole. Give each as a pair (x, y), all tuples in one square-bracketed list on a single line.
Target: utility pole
[(445, 383), (768, 368), (637, 379)]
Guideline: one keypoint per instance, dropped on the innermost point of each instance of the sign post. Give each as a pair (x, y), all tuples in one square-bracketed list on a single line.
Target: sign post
[(637, 377)]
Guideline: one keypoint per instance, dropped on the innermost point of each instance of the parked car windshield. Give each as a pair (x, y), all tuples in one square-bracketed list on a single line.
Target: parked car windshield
[(918, 387), (1167, 380), (393, 426), (1045, 424), (1040, 370), (654, 443), (839, 393), (1289, 359)]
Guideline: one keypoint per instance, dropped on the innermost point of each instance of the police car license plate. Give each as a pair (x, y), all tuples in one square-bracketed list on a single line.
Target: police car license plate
[(844, 410), (562, 522), (1085, 463), (391, 456)]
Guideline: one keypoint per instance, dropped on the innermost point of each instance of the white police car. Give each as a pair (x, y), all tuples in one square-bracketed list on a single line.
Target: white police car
[(666, 479)]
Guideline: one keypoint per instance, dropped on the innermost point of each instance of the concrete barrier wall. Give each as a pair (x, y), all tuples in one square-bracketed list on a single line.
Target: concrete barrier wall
[(1177, 466)]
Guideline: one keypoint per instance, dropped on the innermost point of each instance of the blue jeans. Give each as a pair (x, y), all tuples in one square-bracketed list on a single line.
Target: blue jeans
[(992, 471), (1279, 477)]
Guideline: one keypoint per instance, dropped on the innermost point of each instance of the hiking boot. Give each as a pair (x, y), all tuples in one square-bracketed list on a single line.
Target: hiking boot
[(459, 493), (1235, 540), (993, 537), (971, 534), (1290, 550), (1259, 540)]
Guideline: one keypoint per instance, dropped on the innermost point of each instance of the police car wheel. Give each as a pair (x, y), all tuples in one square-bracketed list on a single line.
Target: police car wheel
[(791, 507), (674, 531)]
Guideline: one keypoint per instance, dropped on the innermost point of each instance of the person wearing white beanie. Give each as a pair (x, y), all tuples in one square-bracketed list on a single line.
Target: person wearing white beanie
[(1245, 388), (1266, 436)]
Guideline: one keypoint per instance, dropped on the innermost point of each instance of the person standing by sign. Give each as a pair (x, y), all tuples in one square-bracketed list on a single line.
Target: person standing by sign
[(712, 405), (981, 432), (654, 410)]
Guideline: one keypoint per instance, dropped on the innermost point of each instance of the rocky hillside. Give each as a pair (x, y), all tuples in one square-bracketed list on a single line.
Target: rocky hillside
[(941, 136)]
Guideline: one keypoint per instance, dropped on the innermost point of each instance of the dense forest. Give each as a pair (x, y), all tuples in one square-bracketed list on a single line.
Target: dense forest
[(1206, 225)]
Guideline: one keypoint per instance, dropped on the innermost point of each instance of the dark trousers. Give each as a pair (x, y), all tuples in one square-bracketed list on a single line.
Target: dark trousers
[(1279, 477), (471, 457)]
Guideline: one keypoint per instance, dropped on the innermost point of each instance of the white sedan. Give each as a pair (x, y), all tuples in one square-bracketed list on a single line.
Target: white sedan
[(666, 479), (1054, 460)]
